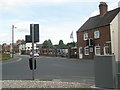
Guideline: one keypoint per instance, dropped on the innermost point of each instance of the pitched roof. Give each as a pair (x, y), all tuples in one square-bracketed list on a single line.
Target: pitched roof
[(99, 20)]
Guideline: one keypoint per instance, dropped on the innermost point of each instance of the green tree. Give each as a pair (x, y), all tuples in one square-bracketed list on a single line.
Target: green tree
[(61, 43), (71, 44), (47, 44)]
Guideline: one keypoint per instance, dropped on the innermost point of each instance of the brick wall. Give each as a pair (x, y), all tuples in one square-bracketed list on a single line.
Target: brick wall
[(3, 55)]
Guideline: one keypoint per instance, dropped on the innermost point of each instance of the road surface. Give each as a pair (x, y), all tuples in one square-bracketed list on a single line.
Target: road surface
[(49, 68)]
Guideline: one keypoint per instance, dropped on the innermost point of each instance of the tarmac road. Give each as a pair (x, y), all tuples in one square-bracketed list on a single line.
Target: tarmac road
[(49, 68)]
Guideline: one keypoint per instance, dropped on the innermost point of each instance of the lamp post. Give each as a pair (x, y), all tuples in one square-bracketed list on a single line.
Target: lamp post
[(33, 50), (13, 27)]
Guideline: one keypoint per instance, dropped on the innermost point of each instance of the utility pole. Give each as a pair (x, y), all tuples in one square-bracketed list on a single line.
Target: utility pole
[(13, 40), (33, 51)]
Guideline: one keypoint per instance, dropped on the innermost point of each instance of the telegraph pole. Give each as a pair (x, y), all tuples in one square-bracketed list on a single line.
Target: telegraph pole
[(33, 51), (12, 40)]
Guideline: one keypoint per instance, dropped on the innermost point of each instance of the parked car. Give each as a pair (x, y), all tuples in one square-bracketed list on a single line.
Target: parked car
[(35, 54)]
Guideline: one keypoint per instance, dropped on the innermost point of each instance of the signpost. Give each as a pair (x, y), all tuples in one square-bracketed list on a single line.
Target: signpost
[(32, 38)]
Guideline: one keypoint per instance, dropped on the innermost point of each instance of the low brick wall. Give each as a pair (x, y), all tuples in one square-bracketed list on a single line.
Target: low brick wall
[(4, 55)]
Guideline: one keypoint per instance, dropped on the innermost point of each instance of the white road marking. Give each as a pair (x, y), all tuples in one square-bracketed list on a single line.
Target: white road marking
[(12, 61)]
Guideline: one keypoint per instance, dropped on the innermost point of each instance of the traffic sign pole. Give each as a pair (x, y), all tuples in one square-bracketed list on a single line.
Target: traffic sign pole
[(32, 38)]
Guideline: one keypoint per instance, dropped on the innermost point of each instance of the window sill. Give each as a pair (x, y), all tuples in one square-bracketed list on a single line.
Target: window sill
[(97, 54), (96, 38)]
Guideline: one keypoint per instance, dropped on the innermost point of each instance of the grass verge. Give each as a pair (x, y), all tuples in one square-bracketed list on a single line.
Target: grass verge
[(5, 58)]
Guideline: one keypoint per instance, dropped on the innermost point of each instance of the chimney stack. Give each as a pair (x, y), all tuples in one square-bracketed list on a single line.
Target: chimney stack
[(103, 8)]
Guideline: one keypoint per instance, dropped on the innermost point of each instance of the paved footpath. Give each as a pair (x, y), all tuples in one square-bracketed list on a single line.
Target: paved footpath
[(42, 84)]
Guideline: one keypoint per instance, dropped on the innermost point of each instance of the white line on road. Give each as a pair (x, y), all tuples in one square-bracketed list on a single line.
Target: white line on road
[(11, 61)]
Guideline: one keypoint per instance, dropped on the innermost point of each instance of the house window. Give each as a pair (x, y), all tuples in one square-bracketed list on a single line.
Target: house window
[(96, 34), (97, 50), (106, 50), (85, 36), (86, 50)]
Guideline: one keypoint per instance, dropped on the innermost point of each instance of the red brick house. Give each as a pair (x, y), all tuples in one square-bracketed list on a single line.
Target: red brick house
[(95, 36)]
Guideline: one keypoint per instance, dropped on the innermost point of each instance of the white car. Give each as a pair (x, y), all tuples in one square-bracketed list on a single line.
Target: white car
[(35, 54)]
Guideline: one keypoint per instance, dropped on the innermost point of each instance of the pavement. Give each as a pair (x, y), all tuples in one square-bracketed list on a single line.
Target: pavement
[(42, 84)]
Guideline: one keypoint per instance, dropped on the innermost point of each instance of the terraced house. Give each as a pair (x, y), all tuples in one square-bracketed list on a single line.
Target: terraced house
[(99, 34)]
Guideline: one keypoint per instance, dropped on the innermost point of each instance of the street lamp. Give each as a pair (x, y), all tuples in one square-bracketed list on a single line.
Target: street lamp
[(13, 27)]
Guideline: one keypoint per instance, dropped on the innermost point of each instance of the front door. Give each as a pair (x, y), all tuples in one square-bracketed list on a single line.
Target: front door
[(80, 53)]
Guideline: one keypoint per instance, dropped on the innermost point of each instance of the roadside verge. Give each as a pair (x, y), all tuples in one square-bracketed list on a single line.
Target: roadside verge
[(13, 60)]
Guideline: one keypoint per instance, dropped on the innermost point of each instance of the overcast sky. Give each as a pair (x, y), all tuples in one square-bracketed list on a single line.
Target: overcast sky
[(56, 18)]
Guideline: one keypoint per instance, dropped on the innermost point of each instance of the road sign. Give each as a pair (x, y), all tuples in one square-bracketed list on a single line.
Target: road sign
[(33, 38), (28, 38), (36, 32)]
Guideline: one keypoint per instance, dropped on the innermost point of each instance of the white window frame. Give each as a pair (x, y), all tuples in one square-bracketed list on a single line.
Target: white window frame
[(97, 48), (97, 34), (86, 50), (85, 36), (106, 53)]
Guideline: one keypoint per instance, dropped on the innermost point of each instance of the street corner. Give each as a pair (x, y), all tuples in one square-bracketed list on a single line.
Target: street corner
[(13, 60)]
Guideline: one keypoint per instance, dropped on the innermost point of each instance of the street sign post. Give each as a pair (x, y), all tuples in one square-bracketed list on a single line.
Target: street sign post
[(31, 64), (33, 38)]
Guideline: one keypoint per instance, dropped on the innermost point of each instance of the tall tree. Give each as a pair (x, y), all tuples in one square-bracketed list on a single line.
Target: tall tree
[(61, 42), (47, 44)]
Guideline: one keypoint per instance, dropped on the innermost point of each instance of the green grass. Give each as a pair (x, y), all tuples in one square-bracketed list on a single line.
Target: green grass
[(5, 58)]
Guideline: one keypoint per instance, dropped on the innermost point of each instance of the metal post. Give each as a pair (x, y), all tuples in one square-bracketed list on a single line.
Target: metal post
[(12, 41), (33, 50), (12, 48)]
